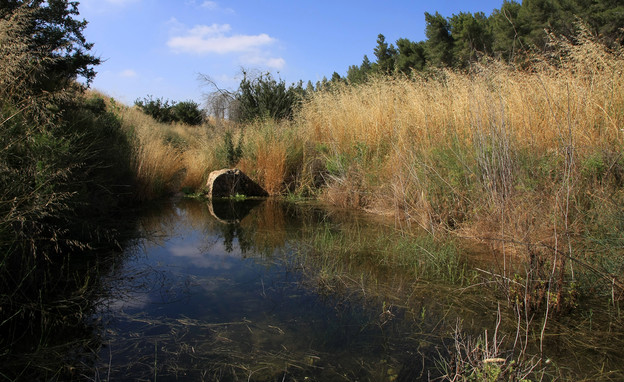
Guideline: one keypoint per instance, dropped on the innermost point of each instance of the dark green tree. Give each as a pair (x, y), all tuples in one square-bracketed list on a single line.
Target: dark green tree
[(166, 111), (158, 108), (188, 112), (54, 32), (63, 157), (366, 66), (265, 97), (309, 87), (538, 16), (323, 84), (504, 23), (359, 74), (385, 55), (606, 19), (411, 56), (439, 40), (472, 36)]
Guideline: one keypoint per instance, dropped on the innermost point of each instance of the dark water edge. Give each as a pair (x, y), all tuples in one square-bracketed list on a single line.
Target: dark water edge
[(268, 290)]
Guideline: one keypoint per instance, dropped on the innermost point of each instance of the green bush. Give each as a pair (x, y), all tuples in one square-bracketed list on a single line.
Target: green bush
[(228, 153), (265, 97), (188, 112), (158, 108), (166, 111), (64, 181)]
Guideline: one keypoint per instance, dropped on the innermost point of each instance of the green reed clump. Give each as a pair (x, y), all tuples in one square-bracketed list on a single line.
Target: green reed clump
[(230, 153), (64, 180), (351, 256)]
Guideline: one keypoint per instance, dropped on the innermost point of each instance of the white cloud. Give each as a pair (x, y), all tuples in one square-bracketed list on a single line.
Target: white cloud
[(121, 2), (212, 5), (259, 60), (275, 63), (216, 38), (128, 73), (214, 257), (175, 26)]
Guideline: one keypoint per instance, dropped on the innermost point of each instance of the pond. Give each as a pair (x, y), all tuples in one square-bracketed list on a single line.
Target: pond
[(270, 290), (230, 291)]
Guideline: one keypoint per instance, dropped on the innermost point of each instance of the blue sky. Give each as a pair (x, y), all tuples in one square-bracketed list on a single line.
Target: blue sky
[(158, 47)]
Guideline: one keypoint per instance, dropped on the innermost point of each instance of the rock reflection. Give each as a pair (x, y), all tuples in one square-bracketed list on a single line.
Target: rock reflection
[(231, 211), (267, 290), (276, 291)]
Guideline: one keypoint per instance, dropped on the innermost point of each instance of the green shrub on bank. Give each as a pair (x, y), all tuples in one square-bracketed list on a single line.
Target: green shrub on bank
[(188, 112), (166, 111), (64, 180), (265, 97)]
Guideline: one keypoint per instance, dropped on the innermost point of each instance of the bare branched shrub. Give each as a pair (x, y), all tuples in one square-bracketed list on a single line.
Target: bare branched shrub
[(485, 358)]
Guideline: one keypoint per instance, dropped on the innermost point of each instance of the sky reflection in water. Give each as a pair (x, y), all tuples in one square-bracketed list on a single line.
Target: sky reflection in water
[(202, 297)]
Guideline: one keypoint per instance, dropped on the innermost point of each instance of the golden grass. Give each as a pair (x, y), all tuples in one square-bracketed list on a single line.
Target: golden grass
[(165, 157), (538, 108), (484, 120), (443, 148), (157, 165), (530, 161), (269, 147)]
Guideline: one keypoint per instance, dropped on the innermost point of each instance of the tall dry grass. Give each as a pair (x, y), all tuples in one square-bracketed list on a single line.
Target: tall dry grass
[(155, 163), (527, 160), (167, 158), (484, 122), (272, 154), (439, 149)]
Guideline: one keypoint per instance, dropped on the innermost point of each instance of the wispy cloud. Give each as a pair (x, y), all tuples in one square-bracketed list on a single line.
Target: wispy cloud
[(128, 73), (216, 257), (121, 2), (214, 6), (217, 38), (262, 60)]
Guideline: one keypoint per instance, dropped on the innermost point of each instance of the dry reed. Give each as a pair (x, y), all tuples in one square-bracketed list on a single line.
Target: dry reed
[(484, 120), (439, 150)]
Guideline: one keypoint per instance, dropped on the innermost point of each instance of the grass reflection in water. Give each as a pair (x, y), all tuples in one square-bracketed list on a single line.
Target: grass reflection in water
[(294, 292)]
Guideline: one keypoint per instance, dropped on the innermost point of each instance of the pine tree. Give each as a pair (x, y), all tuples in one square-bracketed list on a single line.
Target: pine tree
[(504, 23), (439, 40), (385, 55), (359, 74), (471, 35), (606, 19), (54, 32), (411, 56)]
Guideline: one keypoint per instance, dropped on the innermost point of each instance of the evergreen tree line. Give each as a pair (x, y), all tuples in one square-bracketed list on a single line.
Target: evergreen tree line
[(509, 33)]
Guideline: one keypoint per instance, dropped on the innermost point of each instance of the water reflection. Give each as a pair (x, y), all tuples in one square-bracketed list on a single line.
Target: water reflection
[(223, 299), (49, 326), (231, 211), (275, 291)]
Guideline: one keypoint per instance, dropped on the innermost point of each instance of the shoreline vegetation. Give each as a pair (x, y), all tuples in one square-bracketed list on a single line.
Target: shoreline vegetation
[(529, 162), (524, 160), (527, 165)]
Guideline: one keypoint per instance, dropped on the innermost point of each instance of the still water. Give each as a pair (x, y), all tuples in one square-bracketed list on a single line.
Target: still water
[(275, 291)]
